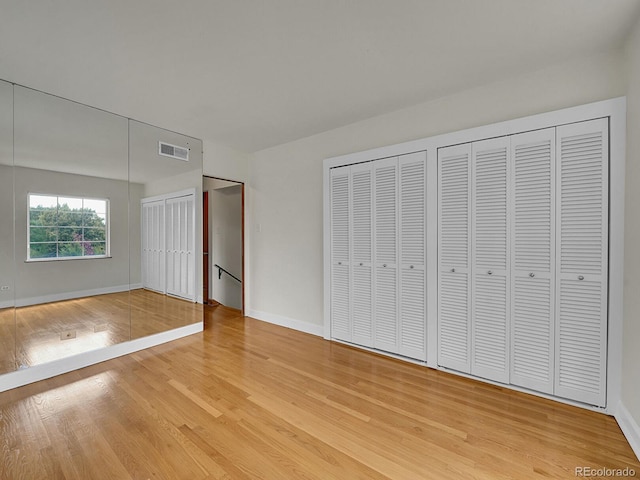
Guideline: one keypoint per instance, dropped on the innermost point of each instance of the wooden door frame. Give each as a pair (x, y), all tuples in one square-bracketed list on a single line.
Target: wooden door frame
[(206, 234)]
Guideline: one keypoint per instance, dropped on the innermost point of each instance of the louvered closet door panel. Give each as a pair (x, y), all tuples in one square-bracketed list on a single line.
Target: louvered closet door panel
[(582, 231), (412, 226), (490, 226), (361, 250), (340, 251), (180, 233), (385, 177), (153, 251), (533, 276), (454, 288), (171, 241)]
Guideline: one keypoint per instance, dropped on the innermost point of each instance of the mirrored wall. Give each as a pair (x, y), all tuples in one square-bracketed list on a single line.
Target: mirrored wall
[(74, 182)]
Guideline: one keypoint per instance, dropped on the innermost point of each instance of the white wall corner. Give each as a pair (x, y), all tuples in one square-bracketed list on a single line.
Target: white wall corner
[(629, 427), (294, 324)]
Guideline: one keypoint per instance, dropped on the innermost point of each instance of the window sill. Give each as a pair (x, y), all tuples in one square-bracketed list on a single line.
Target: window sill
[(65, 259)]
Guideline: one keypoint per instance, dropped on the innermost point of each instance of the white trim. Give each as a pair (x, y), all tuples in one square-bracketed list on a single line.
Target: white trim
[(326, 250), (76, 362), (165, 196), (629, 427), (57, 297), (292, 323)]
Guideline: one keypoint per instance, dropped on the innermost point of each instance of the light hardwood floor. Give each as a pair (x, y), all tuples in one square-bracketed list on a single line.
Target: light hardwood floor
[(250, 400)]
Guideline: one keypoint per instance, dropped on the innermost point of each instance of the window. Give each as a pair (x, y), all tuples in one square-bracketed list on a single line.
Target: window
[(67, 227)]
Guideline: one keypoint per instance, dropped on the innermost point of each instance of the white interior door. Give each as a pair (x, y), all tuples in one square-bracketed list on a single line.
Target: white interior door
[(362, 253), (340, 254), (180, 246), (413, 285), (385, 176), (454, 256), (153, 246), (490, 260), (582, 246), (533, 260)]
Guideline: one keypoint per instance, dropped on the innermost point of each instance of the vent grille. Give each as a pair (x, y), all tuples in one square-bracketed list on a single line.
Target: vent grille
[(173, 151)]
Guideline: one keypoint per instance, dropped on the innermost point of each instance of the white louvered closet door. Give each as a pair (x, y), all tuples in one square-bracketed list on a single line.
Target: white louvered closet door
[(153, 248), (490, 260), (532, 266), (361, 254), (582, 246), (454, 255), (180, 245), (385, 177), (412, 226), (340, 250)]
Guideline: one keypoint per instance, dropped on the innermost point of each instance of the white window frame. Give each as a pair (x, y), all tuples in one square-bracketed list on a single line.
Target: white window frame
[(107, 248)]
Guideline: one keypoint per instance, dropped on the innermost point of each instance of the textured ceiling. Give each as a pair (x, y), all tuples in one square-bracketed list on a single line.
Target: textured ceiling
[(256, 73)]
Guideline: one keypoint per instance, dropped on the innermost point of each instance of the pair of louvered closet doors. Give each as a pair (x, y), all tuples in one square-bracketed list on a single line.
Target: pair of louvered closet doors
[(378, 254), (168, 245), (522, 268)]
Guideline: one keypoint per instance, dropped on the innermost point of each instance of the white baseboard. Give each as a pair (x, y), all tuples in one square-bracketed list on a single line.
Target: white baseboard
[(299, 325), (75, 362), (57, 297), (629, 427)]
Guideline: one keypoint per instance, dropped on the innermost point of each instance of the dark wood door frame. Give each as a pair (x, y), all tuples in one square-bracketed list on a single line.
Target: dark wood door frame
[(205, 247), (205, 223)]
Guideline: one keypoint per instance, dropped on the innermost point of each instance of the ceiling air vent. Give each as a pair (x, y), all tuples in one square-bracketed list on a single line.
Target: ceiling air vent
[(173, 151)]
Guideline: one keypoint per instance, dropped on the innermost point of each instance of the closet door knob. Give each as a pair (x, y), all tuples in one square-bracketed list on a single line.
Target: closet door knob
[(453, 270), (490, 272), (384, 265), (411, 266), (532, 274), (339, 263), (580, 277), (361, 264)]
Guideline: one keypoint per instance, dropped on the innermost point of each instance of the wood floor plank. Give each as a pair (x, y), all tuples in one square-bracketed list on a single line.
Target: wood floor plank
[(249, 400)]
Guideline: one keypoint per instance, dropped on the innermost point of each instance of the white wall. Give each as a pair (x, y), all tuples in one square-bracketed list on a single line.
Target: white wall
[(224, 162), (225, 236), (630, 350), (285, 269)]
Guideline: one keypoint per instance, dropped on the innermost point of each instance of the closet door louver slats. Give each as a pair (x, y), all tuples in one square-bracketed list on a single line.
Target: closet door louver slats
[(180, 244), (582, 230), (412, 226), (490, 254), (153, 249), (533, 237), (454, 172), (362, 247), (385, 174), (340, 270)]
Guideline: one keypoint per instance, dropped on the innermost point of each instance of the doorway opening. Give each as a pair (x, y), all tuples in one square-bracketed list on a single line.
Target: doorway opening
[(223, 242)]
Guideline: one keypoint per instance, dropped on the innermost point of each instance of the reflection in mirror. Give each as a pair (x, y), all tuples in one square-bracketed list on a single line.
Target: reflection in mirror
[(71, 228), (7, 318), (166, 185)]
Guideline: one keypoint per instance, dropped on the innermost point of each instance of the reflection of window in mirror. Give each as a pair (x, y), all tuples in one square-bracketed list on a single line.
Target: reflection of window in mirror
[(65, 227)]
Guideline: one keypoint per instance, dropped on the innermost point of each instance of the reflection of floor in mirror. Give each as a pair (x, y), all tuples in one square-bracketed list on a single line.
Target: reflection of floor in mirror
[(56, 330), (153, 313), (7, 340)]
